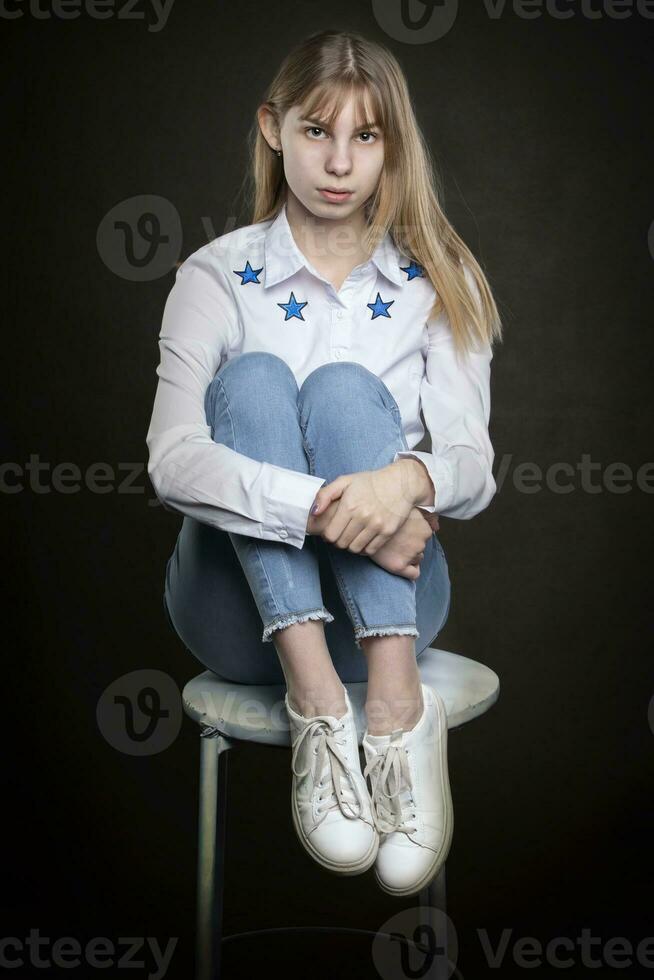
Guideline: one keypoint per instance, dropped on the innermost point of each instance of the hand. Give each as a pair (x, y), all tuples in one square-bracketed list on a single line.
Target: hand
[(317, 523), (404, 551), (372, 506)]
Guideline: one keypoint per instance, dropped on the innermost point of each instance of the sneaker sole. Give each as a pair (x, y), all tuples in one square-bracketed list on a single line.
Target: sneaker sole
[(441, 855), (354, 868)]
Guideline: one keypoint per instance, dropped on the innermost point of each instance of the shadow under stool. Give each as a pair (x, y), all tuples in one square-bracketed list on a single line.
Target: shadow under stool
[(229, 713)]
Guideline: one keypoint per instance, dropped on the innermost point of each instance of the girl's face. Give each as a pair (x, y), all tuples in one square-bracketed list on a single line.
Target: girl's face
[(343, 158)]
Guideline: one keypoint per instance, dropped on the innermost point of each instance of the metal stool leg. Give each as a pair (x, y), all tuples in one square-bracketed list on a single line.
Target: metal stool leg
[(433, 898), (211, 852)]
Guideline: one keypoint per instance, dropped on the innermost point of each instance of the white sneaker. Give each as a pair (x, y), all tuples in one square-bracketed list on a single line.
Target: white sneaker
[(411, 798), (332, 811)]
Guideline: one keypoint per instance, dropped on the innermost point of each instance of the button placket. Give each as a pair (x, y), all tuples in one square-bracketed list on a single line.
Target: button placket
[(340, 333), (348, 307)]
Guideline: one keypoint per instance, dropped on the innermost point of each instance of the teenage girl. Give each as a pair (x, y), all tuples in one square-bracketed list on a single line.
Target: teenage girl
[(296, 356)]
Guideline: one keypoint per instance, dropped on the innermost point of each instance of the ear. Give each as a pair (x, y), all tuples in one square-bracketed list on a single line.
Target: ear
[(268, 126)]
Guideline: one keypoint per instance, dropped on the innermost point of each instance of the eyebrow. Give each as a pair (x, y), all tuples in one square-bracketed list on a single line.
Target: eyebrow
[(323, 124)]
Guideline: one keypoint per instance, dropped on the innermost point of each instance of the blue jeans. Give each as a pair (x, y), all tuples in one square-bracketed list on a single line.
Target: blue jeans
[(220, 586)]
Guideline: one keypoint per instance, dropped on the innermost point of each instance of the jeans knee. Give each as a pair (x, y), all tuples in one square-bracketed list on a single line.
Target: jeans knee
[(325, 373), (257, 366), (249, 375), (343, 382)]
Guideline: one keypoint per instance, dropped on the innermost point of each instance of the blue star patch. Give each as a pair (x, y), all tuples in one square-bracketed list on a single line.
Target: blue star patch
[(379, 308), (293, 308), (413, 270), (248, 274)]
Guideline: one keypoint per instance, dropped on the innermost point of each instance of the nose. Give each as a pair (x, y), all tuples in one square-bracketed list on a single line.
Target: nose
[(339, 158)]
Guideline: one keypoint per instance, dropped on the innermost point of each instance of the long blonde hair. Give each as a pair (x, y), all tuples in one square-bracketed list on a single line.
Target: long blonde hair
[(319, 75)]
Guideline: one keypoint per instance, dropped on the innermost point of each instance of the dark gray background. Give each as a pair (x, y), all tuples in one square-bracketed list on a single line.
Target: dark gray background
[(542, 133)]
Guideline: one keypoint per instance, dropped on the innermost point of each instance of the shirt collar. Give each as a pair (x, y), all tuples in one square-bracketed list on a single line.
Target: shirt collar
[(282, 257)]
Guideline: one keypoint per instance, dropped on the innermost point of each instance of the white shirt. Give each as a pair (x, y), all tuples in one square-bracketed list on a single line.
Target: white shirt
[(252, 289)]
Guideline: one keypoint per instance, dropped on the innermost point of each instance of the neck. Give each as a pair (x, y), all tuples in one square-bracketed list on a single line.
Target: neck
[(327, 242)]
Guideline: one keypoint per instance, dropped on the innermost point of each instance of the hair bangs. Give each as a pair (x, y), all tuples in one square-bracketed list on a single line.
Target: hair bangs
[(327, 99)]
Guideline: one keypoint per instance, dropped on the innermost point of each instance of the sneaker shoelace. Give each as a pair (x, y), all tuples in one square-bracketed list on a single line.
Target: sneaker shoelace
[(393, 805), (333, 791)]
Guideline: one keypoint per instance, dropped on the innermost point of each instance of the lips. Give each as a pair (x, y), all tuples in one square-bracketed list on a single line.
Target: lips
[(335, 196)]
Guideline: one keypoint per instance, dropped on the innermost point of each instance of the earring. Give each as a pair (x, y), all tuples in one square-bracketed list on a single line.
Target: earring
[(279, 153)]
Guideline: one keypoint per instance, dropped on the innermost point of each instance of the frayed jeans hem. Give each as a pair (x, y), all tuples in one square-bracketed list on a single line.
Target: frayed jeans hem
[(290, 618), (361, 632)]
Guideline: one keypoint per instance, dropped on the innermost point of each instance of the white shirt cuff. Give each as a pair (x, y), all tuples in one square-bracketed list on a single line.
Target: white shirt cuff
[(440, 473), (290, 495)]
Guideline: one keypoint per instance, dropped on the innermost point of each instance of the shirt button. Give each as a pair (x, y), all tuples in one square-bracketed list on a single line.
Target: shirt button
[(283, 533), (339, 315), (337, 355)]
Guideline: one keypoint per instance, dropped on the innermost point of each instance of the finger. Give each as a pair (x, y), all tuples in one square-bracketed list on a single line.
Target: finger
[(330, 492), (336, 526), (359, 543), (350, 534), (323, 499), (373, 546)]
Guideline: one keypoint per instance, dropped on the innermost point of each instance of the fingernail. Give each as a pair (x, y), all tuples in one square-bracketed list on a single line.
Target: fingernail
[(314, 508)]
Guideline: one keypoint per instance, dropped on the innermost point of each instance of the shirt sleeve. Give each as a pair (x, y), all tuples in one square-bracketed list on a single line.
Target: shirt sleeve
[(455, 400), (189, 471)]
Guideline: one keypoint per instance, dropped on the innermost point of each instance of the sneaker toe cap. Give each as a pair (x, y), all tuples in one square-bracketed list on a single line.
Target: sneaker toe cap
[(344, 841), (400, 867)]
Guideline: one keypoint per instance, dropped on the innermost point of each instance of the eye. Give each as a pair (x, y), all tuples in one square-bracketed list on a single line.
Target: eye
[(365, 132)]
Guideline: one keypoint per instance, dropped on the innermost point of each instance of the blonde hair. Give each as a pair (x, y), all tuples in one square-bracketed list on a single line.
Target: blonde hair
[(320, 75)]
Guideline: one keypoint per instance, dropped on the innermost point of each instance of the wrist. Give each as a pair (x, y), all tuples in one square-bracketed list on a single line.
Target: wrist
[(421, 487)]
